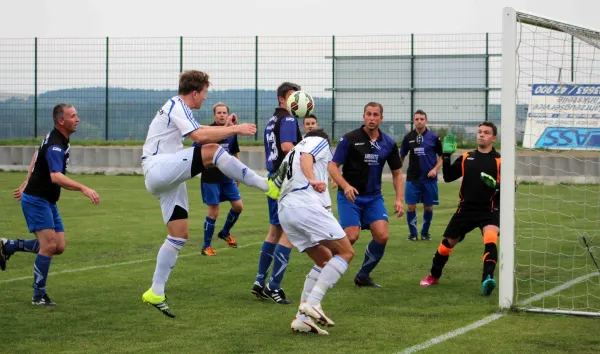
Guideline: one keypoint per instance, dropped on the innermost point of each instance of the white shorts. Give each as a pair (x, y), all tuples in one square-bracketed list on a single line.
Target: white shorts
[(308, 225), (165, 176)]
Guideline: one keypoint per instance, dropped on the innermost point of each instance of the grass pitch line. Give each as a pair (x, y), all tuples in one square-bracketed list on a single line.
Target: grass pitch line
[(119, 264), (489, 319)]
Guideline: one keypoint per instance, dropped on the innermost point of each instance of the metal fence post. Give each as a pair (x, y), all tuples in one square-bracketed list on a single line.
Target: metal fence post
[(256, 86), (487, 76), (412, 78), (35, 87), (572, 59), (333, 87), (106, 96)]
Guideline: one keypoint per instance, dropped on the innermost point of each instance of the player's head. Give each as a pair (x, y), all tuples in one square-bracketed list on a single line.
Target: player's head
[(373, 115), (194, 84), (65, 118), (486, 134), (318, 132), (220, 113), (284, 91), (420, 119), (310, 123)]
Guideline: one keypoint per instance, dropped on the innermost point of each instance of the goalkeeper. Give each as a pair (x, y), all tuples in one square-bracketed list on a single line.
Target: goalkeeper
[(478, 206)]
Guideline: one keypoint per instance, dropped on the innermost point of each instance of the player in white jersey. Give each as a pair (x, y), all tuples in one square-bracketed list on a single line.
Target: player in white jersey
[(312, 228), (167, 165)]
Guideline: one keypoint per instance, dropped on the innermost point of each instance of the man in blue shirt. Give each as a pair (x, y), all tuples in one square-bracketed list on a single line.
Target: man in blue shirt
[(39, 194), (217, 188), (281, 135), (424, 161), (363, 153)]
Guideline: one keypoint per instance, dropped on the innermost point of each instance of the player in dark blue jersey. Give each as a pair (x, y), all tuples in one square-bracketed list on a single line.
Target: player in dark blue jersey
[(217, 188), (424, 161), (39, 194), (363, 153), (281, 135)]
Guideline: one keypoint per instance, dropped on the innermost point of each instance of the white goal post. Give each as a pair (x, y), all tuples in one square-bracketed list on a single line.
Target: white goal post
[(550, 144)]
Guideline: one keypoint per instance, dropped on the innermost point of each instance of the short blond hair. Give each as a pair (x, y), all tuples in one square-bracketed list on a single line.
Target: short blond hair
[(219, 104)]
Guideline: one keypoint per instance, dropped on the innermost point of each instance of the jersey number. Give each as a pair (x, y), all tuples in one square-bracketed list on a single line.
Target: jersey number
[(291, 162)]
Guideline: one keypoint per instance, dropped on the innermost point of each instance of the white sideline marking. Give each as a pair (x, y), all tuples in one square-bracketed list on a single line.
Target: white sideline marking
[(119, 264), (494, 317)]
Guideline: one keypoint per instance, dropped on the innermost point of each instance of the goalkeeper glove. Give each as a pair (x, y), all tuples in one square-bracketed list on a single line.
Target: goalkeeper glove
[(489, 181), (449, 146)]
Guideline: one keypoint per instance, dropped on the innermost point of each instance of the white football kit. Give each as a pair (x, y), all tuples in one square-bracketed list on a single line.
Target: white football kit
[(302, 210), (165, 162)]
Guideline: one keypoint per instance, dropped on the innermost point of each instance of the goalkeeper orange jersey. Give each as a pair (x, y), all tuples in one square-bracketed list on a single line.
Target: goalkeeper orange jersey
[(474, 194)]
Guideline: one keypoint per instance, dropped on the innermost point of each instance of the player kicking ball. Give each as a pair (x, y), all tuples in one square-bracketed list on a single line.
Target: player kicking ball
[(312, 228), (479, 203), (167, 165)]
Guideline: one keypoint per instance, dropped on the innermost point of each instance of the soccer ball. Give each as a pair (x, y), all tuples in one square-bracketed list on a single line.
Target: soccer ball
[(300, 104)]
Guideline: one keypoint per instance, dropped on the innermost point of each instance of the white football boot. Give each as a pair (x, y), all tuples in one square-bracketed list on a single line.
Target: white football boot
[(306, 325), (316, 313)]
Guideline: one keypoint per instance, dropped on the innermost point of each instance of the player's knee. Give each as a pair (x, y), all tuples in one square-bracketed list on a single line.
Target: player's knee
[(208, 152), (411, 207), (237, 206), (49, 247), (213, 212), (380, 237), (452, 241), (60, 249), (352, 237), (428, 207)]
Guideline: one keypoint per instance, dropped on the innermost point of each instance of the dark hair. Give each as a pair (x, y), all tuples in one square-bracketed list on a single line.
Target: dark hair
[(59, 110), (491, 125), (420, 111), (286, 87), (311, 116), (192, 80), (318, 132), (373, 104)]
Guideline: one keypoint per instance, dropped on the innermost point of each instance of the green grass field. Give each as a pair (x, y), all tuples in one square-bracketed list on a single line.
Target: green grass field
[(110, 260)]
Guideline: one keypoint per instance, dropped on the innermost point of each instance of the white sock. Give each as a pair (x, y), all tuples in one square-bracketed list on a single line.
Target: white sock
[(309, 283), (330, 274), (165, 261), (235, 169)]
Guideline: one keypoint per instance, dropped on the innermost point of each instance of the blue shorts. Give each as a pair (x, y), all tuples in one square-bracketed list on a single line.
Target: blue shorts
[(362, 212), (426, 193), (40, 214), (273, 215), (216, 193)]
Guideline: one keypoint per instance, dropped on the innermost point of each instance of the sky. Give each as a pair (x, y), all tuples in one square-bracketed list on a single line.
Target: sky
[(201, 18)]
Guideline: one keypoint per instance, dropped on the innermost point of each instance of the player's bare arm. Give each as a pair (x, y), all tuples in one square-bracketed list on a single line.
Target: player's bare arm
[(436, 168), (287, 147), (307, 164), (206, 135), (398, 182), (17, 193), (69, 184), (349, 191)]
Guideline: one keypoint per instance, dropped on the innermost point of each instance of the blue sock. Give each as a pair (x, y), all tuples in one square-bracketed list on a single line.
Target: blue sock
[(411, 218), (18, 245), (209, 230), (264, 262), (282, 258), (427, 216), (373, 255), (229, 222), (40, 274)]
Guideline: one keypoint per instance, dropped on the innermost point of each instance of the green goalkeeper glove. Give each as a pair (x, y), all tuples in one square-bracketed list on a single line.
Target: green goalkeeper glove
[(489, 180), (449, 146)]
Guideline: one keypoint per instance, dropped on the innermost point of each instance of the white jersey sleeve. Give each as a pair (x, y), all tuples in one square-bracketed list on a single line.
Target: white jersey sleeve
[(316, 146), (181, 115)]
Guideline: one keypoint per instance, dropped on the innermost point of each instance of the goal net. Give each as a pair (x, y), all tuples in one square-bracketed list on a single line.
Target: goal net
[(550, 143)]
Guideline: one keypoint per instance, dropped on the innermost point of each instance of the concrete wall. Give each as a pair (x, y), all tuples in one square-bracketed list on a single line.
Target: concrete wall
[(535, 167)]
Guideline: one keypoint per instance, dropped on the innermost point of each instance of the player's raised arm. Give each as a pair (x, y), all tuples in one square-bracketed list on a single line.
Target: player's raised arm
[(453, 171)]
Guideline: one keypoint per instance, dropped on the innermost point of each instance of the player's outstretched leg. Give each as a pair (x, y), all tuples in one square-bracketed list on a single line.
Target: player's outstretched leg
[(9, 247), (490, 258), (439, 261)]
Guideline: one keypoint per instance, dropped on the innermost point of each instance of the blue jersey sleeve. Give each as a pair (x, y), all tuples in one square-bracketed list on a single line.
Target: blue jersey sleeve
[(341, 152), (55, 156), (405, 148), (288, 130)]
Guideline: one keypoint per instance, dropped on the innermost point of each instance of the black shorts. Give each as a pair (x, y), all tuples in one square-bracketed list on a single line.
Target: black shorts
[(464, 222)]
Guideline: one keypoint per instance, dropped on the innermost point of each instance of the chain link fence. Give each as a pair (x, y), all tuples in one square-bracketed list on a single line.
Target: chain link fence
[(118, 84)]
